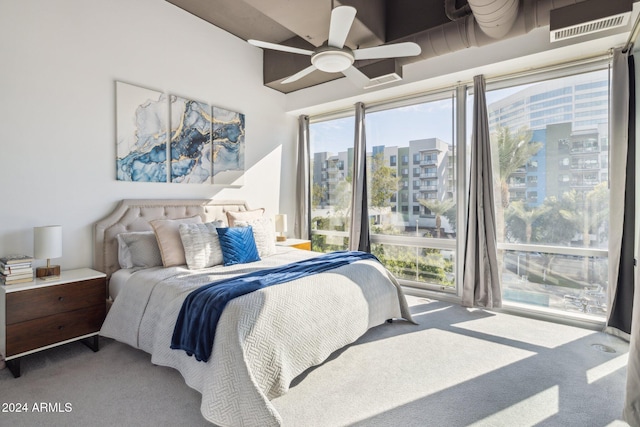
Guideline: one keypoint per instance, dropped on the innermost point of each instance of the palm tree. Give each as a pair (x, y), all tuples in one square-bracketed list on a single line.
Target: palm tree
[(514, 151), (438, 208), (527, 215), (589, 214)]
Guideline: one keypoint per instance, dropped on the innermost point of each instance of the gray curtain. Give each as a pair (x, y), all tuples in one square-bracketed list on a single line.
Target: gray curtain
[(301, 226), (359, 229), (631, 413), (618, 148), (481, 279)]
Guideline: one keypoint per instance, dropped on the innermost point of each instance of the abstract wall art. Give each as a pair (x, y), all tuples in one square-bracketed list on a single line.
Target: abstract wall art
[(228, 147), (190, 145), (204, 144), (141, 132)]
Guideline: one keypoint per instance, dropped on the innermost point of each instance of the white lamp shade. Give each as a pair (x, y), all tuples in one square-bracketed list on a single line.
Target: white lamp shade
[(281, 223), (47, 242)]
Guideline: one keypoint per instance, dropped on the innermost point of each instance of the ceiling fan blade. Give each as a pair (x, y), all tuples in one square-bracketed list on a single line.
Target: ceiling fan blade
[(388, 51), (299, 74), (280, 47), (341, 20), (356, 76)]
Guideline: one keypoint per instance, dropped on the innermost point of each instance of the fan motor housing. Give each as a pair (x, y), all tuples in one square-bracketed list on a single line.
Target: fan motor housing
[(332, 59)]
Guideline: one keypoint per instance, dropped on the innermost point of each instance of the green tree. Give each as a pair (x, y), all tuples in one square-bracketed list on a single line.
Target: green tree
[(317, 194), (438, 208), (383, 182), (528, 216), (514, 151)]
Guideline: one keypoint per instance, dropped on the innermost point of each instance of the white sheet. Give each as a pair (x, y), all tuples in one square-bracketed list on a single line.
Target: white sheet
[(264, 339), (118, 280)]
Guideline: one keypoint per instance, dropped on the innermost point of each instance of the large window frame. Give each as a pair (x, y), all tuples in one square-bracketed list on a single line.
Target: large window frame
[(462, 93)]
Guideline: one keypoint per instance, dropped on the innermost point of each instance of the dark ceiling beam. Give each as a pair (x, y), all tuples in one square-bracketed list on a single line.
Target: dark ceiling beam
[(310, 19), (236, 17)]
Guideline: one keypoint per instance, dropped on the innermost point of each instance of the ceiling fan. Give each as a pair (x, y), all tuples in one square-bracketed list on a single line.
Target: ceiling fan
[(334, 56)]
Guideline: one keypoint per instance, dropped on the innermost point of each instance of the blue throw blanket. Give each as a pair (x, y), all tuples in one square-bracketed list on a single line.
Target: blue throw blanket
[(201, 310)]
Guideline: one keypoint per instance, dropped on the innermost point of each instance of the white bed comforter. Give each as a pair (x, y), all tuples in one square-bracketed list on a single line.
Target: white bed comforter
[(264, 339)]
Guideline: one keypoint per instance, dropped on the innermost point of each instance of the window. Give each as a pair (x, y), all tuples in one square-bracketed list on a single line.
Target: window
[(553, 239), (331, 152), (419, 248), (552, 204)]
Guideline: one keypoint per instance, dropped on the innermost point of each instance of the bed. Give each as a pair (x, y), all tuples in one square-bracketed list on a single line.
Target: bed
[(263, 339)]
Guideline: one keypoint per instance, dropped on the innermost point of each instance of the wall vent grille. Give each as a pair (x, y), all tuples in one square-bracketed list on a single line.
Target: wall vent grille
[(382, 80), (590, 27)]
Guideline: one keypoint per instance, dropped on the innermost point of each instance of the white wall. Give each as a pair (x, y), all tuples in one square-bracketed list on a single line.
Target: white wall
[(59, 62)]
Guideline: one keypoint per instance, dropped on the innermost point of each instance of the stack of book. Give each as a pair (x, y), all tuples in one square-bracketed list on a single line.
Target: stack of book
[(15, 269)]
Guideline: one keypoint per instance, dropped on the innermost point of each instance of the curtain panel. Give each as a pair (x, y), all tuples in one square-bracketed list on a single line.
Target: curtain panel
[(631, 411), (481, 279), (301, 226), (621, 201), (359, 228)]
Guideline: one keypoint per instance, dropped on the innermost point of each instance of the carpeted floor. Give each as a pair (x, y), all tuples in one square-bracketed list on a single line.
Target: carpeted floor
[(458, 367)]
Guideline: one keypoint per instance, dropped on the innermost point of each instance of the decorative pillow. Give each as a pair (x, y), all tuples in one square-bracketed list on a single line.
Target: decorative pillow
[(138, 249), (169, 241), (201, 245), (233, 216), (264, 233), (238, 245)]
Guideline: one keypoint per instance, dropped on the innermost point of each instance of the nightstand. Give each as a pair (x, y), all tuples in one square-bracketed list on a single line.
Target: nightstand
[(41, 314), (296, 243)]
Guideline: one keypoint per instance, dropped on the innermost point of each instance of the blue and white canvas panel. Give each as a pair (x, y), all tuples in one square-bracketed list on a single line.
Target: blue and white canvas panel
[(141, 134), (228, 147), (190, 141)]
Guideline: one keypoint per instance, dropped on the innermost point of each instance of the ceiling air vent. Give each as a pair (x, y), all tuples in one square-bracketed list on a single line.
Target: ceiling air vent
[(382, 80), (588, 17)]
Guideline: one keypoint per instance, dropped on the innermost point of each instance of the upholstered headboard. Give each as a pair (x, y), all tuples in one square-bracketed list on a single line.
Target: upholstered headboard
[(135, 214)]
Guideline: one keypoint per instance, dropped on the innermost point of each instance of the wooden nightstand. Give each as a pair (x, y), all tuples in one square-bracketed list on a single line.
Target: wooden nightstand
[(41, 314), (296, 243)]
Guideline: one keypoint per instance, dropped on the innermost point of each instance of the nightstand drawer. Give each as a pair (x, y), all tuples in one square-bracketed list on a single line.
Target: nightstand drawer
[(47, 301), (49, 330)]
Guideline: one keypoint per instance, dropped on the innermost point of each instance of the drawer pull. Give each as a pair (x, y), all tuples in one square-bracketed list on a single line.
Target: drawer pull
[(61, 327), (60, 299)]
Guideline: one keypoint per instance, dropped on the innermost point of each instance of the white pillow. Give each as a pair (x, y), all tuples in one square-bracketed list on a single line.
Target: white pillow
[(233, 216), (264, 233), (201, 244), (138, 249), (169, 241)]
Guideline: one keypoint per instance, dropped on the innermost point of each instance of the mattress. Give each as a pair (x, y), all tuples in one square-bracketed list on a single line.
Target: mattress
[(264, 339)]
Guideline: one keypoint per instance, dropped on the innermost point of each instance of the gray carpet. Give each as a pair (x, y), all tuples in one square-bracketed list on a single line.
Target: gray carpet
[(458, 367)]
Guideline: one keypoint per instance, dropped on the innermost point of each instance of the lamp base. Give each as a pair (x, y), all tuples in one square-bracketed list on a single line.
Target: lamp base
[(52, 270), (281, 238)]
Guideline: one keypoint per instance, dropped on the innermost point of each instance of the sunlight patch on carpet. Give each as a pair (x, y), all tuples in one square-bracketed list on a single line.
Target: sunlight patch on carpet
[(528, 412), (607, 368)]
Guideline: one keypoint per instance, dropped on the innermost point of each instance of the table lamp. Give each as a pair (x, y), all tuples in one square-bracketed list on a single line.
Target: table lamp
[(281, 227), (47, 244)]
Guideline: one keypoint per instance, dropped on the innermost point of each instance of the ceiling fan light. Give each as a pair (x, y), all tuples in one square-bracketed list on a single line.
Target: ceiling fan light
[(332, 61)]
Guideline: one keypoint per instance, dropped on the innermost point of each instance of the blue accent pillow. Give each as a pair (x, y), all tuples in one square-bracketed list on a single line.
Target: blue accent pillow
[(238, 245)]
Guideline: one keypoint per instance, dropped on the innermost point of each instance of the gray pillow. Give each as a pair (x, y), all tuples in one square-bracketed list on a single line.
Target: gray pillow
[(201, 245), (138, 249)]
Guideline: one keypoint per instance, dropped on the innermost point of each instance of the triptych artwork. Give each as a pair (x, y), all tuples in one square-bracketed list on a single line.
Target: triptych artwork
[(169, 138)]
